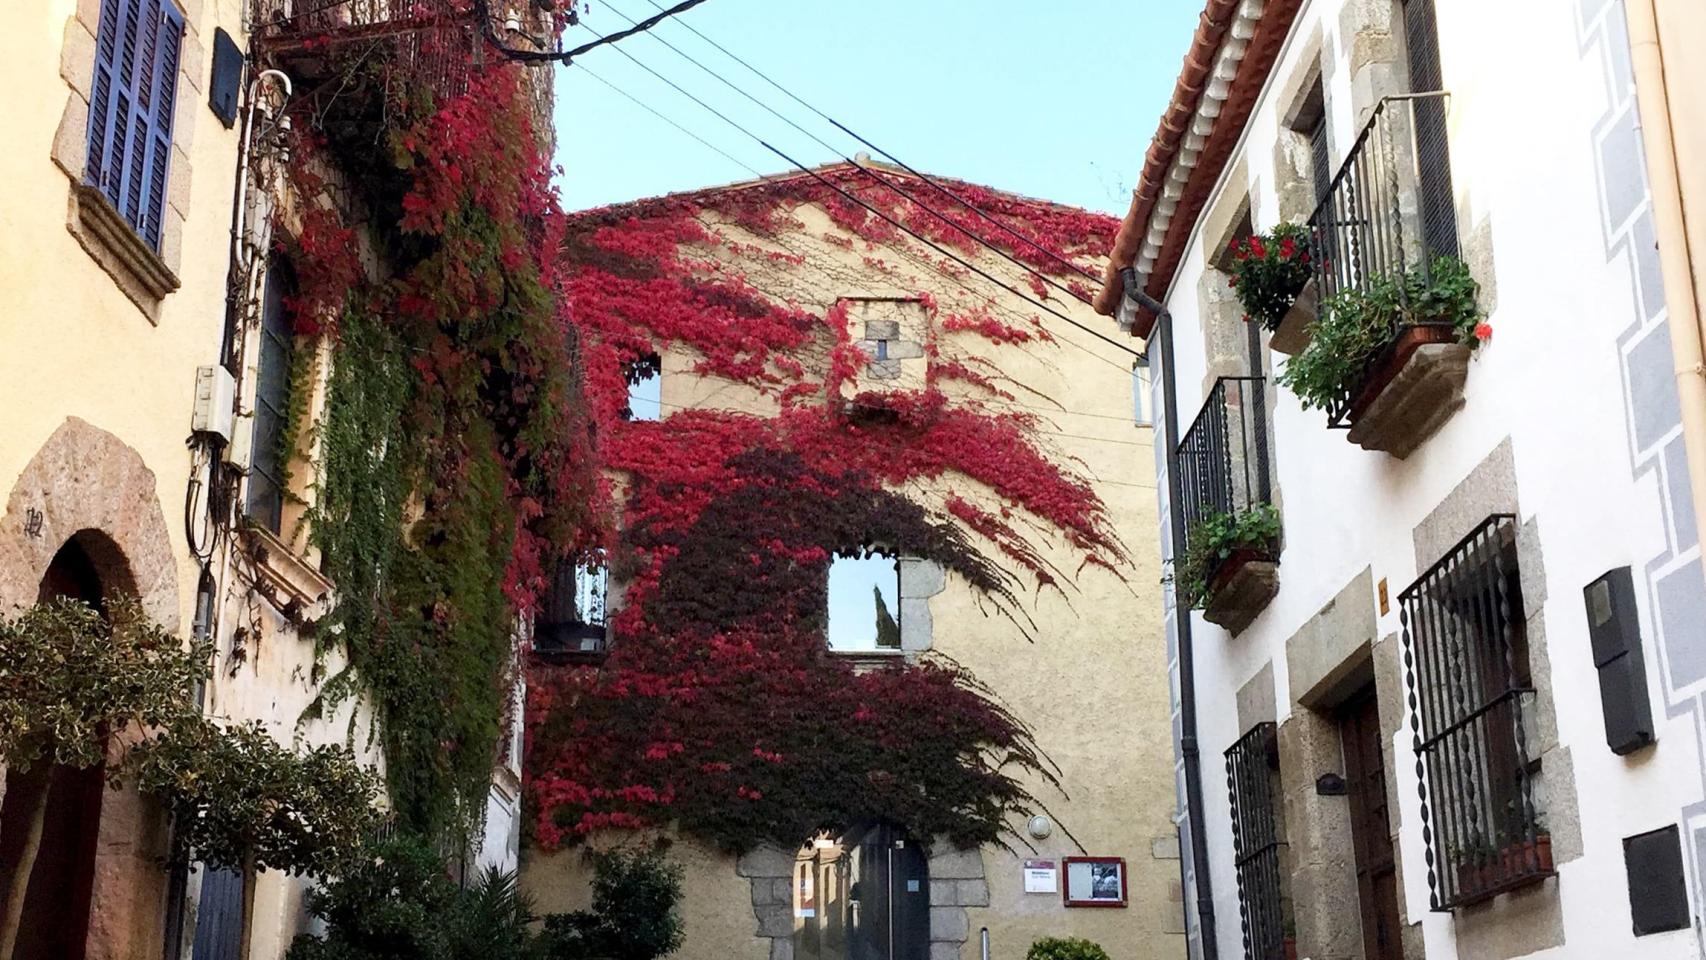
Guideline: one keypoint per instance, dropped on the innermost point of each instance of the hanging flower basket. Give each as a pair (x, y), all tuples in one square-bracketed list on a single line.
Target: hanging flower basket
[(1291, 334), (1270, 271)]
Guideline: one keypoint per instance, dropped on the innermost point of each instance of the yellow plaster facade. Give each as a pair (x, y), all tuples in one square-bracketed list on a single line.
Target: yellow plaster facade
[(1093, 686), (99, 348)]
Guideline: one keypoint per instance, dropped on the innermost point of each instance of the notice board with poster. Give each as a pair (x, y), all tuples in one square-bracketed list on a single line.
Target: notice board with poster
[(1094, 882)]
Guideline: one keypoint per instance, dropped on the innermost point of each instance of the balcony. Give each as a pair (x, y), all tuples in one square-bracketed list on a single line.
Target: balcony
[(1390, 287), (570, 626), (1227, 564), (1466, 666), (357, 59)]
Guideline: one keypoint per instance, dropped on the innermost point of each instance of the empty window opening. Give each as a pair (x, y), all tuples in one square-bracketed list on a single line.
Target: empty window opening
[(645, 388), (864, 602)]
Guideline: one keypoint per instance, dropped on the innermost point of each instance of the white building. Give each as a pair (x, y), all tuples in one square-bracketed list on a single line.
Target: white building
[(1402, 750)]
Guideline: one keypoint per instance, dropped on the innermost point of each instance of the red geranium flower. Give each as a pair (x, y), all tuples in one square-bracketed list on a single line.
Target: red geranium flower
[(1483, 332)]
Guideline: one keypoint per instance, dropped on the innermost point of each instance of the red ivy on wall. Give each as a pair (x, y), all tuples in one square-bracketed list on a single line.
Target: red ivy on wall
[(719, 709)]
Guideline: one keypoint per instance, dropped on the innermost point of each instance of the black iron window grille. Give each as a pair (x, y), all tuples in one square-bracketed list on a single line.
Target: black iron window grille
[(1252, 766), (571, 623), (1382, 220), (1466, 666), (1223, 458)]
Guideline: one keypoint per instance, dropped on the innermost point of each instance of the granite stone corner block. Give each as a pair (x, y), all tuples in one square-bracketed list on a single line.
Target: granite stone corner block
[(766, 861), (949, 924)]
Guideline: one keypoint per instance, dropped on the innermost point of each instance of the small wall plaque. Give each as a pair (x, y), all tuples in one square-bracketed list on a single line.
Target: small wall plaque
[(1041, 876)]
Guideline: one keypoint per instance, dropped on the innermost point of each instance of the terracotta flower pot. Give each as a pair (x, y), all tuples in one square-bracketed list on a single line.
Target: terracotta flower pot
[(1233, 563)]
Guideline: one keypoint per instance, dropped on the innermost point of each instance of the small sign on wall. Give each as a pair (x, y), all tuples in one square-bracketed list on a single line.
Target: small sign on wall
[(1041, 877)]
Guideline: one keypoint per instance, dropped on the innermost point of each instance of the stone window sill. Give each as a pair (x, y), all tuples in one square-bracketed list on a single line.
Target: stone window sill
[(103, 232), (864, 661), (300, 592)]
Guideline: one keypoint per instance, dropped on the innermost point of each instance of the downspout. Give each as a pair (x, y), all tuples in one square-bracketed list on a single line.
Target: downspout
[(1188, 751), (1670, 225)]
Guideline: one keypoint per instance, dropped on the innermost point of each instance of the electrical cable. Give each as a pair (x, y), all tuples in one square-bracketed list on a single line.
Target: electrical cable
[(889, 156), (1009, 311), (565, 56), (881, 180), (891, 221)]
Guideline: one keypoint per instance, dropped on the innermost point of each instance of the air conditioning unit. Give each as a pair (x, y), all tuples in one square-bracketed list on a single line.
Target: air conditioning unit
[(215, 402)]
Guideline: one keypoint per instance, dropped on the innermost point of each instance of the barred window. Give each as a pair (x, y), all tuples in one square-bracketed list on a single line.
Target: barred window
[(1252, 781), (1466, 664)]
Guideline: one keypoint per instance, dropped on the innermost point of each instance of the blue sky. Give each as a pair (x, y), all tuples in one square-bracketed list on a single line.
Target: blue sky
[(1051, 98)]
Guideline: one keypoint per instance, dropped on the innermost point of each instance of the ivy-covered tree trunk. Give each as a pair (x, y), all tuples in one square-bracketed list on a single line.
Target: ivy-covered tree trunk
[(18, 881)]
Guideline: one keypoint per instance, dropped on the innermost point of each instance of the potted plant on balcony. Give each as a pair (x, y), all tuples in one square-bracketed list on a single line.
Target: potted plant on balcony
[(1215, 571), (1274, 276), (1364, 339)]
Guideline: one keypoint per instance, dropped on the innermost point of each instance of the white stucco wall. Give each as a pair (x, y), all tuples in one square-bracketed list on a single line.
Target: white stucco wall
[(1545, 159)]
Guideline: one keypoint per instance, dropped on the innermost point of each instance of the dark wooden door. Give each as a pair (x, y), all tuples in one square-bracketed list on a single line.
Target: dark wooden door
[(1371, 832)]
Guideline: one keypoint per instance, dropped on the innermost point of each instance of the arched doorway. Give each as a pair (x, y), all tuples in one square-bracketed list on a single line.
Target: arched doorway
[(61, 882), (864, 895)]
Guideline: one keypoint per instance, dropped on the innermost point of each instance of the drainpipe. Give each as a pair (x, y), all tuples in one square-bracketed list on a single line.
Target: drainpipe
[(1670, 224), (1182, 622)]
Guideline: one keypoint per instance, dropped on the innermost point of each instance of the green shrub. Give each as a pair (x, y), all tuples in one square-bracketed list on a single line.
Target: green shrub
[(1213, 539), (1065, 948), (633, 915), (1355, 326)]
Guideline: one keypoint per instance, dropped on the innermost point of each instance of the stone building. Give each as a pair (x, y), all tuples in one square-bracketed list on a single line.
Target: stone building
[(142, 358), (1452, 708), (1091, 685)]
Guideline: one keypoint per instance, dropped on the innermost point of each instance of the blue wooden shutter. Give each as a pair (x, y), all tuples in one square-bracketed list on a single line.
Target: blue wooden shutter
[(130, 111)]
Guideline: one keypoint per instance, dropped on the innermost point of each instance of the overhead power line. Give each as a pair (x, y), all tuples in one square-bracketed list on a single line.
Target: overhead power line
[(882, 181), (885, 217), (755, 172), (932, 182), (565, 56)]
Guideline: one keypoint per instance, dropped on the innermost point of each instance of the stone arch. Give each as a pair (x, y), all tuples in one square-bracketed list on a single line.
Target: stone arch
[(87, 488), (87, 484)]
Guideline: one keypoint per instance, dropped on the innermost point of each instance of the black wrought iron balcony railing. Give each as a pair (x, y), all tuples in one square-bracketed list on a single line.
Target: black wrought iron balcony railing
[(1466, 665), (426, 44), (1223, 457), (1388, 211)]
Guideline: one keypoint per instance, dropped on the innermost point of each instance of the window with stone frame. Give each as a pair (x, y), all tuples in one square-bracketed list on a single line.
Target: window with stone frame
[(864, 601), (894, 335), (1465, 633)]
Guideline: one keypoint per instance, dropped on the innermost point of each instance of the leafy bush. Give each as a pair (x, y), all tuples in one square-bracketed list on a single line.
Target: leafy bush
[(1065, 948), (397, 902), (1269, 269), (242, 800), (1355, 326), (1213, 539), (633, 915)]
